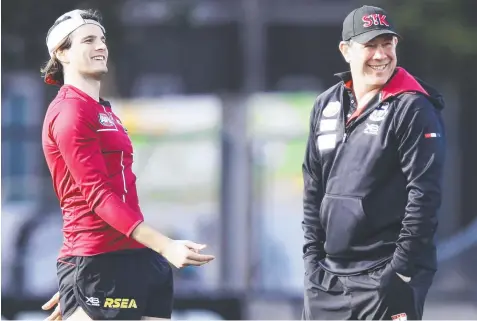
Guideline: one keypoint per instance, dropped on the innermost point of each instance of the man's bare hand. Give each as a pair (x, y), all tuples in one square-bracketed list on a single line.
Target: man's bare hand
[(186, 253), (55, 300)]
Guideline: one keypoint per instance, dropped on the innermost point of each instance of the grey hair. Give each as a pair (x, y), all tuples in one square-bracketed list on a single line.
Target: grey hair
[(349, 42)]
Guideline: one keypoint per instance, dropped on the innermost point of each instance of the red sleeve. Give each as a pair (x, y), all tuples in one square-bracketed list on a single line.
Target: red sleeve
[(75, 134)]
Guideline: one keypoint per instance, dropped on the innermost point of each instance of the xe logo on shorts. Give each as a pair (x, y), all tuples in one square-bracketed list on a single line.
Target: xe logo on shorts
[(92, 301), (374, 19), (121, 303)]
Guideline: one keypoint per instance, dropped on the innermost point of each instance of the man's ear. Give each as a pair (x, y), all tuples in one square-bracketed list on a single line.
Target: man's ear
[(395, 40), (344, 47), (62, 56)]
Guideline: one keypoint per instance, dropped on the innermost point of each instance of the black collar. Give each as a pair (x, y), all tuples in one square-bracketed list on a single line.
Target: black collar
[(345, 76), (104, 102)]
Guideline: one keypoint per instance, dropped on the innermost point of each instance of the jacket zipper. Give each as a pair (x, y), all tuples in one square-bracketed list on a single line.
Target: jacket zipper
[(350, 127)]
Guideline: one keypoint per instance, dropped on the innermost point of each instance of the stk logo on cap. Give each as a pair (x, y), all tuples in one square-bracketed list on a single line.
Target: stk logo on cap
[(366, 23)]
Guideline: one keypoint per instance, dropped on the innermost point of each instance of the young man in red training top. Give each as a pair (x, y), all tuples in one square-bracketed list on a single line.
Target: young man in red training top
[(112, 265)]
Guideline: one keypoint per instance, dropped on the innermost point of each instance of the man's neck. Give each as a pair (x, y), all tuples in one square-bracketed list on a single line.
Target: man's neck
[(89, 86), (364, 94)]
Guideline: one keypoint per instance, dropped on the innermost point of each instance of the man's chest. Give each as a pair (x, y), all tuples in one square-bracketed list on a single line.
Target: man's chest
[(355, 141), (112, 135)]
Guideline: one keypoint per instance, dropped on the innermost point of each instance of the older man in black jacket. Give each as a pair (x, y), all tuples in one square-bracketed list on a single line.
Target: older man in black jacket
[(372, 173)]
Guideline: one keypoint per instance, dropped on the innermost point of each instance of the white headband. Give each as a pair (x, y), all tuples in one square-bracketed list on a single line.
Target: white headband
[(70, 21)]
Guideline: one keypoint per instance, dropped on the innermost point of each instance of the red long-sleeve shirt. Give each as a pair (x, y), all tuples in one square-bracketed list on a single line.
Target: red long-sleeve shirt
[(90, 156)]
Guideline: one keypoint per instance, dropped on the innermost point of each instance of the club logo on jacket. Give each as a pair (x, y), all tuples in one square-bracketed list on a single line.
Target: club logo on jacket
[(379, 113), (105, 120), (331, 109), (371, 129), (399, 317)]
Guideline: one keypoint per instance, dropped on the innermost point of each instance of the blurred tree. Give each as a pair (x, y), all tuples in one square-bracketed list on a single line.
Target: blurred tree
[(443, 24), (441, 31)]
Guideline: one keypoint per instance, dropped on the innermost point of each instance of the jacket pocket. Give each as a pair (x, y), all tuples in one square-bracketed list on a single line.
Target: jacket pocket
[(345, 223), (311, 262)]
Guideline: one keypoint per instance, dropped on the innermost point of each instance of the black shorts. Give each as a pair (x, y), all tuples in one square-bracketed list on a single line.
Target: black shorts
[(123, 285)]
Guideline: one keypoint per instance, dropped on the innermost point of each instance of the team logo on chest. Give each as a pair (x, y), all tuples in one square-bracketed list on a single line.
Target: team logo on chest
[(105, 120), (379, 113), (371, 129)]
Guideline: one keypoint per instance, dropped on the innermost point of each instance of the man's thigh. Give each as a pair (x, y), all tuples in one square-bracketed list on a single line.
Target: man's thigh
[(382, 294), (78, 314), (106, 287), (161, 287), (326, 297)]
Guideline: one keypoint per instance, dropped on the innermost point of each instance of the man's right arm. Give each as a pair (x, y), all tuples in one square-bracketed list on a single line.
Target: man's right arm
[(313, 248), (74, 132)]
